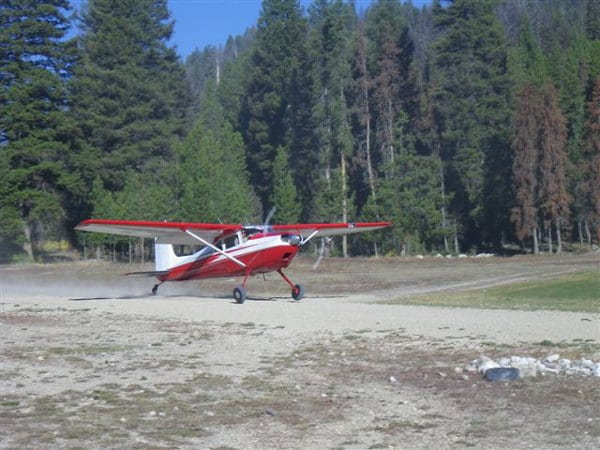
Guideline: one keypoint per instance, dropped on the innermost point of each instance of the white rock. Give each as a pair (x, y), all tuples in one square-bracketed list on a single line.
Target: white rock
[(527, 367), (564, 363), (439, 255), (393, 379), (504, 362), (152, 413), (419, 256), (553, 358), (596, 370), (449, 256), (462, 255), (587, 362)]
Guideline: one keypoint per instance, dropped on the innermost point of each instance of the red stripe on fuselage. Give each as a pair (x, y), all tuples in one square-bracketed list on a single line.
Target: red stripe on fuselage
[(217, 265)]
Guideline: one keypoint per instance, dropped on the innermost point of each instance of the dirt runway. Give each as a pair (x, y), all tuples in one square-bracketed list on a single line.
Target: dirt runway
[(89, 359)]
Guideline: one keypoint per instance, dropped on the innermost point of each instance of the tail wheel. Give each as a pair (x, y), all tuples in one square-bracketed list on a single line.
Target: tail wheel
[(239, 294), (298, 292)]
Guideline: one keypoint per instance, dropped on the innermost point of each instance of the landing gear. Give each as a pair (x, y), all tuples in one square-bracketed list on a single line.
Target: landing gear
[(297, 292), (155, 288), (297, 289), (239, 294)]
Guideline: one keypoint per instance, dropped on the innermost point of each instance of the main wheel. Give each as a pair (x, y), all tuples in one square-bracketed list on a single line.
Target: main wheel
[(239, 294), (298, 292)]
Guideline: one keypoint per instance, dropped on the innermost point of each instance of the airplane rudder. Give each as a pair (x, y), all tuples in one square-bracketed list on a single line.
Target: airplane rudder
[(164, 256)]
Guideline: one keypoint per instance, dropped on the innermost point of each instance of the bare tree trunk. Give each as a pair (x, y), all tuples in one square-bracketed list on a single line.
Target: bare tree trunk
[(362, 63), (558, 237), (588, 235), (28, 244), (456, 247), (536, 245), (580, 232), (344, 204), (443, 189), (143, 250), (550, 249)]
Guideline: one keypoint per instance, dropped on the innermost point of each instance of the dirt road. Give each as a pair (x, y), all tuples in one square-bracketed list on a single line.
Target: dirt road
[(89, 359)]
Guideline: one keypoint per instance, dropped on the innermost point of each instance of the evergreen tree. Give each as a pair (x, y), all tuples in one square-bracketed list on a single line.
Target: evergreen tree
[(592, 152), (130, 95), (35, 131), (540, 165), (553, 164), (274, 109), (525, 167), (331, 43), (211, 171), (472, 110), (285, 198)]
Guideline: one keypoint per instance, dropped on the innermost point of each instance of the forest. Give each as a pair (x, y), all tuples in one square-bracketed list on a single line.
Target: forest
[(472, 125)]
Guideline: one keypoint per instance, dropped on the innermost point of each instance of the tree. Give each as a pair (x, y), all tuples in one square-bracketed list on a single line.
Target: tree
[(35, 130), (285, 198), (273, 112), (332, 23), (540, 164), (212, 179), (472, 114), (592, 152), (553, 164), (130, 97), (525, 167)]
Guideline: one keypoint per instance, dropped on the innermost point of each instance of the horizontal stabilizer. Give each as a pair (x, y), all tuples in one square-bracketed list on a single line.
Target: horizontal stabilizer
[(157, 274)]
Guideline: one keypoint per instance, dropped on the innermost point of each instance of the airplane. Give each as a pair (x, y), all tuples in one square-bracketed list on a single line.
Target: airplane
[(229, 250)]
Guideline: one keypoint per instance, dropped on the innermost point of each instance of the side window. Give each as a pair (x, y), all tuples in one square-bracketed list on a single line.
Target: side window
[(227, 242)]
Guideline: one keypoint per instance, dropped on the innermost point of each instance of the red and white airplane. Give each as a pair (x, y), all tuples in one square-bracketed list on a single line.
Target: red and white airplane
[(229, 249)]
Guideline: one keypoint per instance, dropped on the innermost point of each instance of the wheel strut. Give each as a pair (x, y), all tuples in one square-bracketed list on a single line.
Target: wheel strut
[(297, 289), (155, 288)]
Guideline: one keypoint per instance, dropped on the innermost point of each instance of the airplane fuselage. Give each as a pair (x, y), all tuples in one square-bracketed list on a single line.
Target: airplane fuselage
[(260, 254)]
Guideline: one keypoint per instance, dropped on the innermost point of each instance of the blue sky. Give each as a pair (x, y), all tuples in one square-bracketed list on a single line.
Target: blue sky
[(199, 23)]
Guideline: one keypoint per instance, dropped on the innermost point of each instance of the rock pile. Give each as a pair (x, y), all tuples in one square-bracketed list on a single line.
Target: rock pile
[(531, 367)]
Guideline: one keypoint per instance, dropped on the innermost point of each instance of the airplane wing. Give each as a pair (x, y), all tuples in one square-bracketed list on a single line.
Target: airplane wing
[(164, 232), (329, 229)]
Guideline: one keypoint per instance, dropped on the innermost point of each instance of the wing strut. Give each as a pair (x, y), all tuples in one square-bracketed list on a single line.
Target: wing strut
[(310, 236), (215, 248)]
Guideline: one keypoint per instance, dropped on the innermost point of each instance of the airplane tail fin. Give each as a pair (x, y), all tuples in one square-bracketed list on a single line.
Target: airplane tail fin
[(164, 257)]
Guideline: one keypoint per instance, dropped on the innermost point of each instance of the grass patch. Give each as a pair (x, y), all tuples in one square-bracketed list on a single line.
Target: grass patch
[(576, 292)]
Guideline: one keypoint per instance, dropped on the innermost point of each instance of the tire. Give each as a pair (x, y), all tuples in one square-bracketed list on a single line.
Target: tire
[(298, 292), (502, 374), (239, 294)]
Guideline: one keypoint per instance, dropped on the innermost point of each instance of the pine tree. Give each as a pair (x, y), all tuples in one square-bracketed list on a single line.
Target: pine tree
[(285, 198), (130, 94), (331, 44), (592, 151), (273, 112), (35, 131), (472, 113), (211, 171), (540, 165), (553, 164), (525, 168)]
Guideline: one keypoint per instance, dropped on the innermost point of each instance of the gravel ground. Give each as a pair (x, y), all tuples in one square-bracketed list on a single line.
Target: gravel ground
[(90, 360)]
